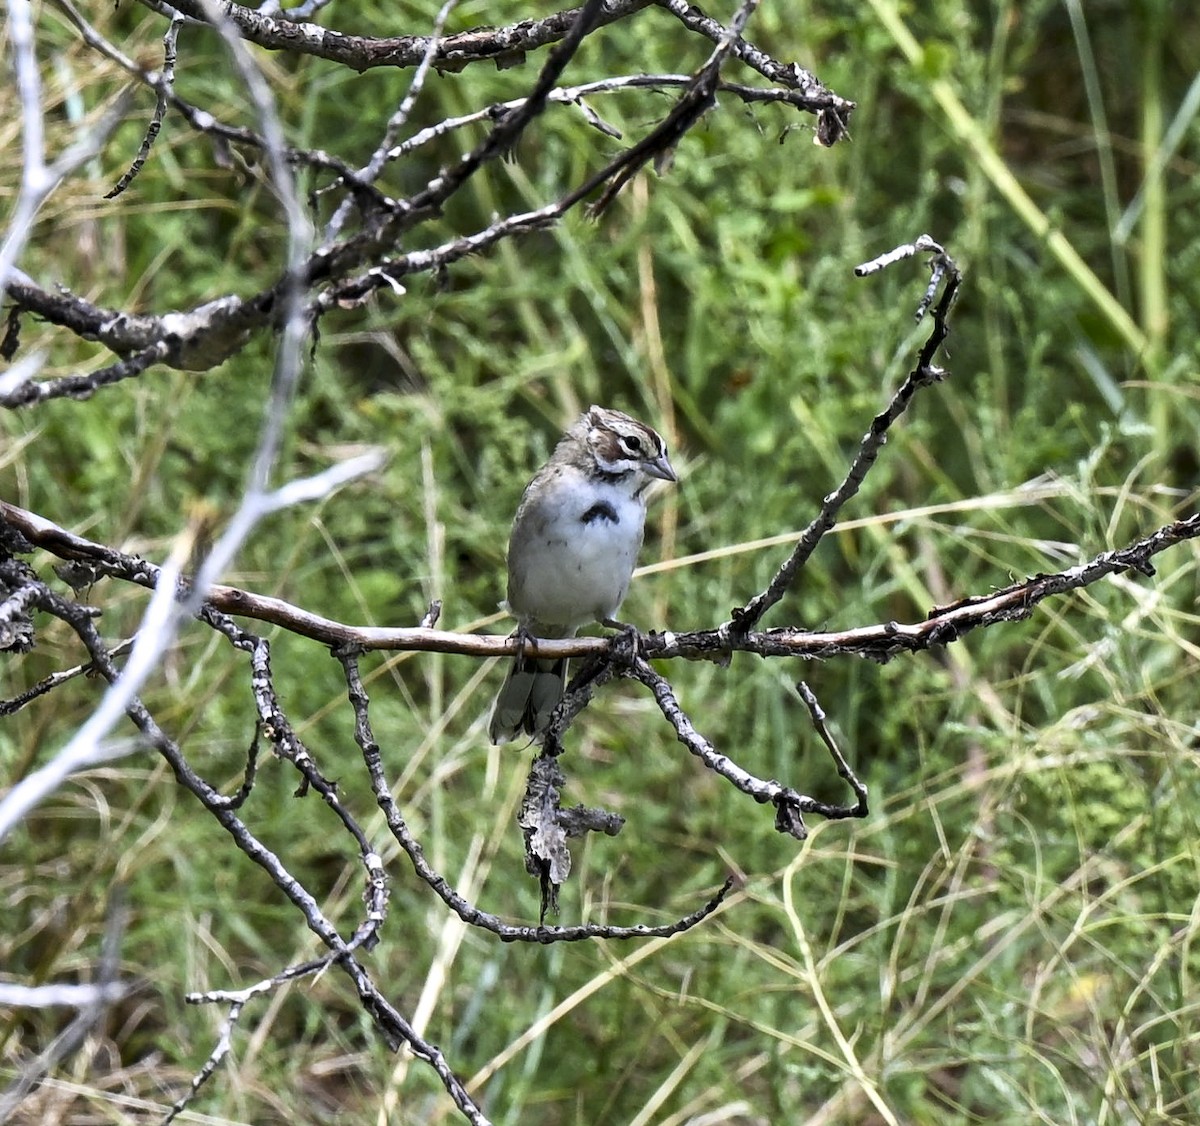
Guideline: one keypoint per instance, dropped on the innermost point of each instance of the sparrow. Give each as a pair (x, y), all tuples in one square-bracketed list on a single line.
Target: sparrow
[(571, 554)]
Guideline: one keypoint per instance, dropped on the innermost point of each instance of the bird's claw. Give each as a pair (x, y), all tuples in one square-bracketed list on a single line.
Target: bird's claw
[(522, 637), (626, 644)]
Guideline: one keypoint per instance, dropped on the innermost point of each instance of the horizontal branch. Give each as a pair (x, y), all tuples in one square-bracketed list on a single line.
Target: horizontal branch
[(879, 642), (504, 45)]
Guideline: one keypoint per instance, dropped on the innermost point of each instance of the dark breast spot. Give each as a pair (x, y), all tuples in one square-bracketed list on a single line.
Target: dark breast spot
[(601, 510)]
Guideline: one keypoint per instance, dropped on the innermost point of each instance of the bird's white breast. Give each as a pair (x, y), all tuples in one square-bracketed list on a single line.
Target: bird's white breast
[(565, 570)]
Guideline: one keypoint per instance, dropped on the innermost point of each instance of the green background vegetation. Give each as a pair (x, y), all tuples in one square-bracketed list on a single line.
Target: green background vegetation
[(1012, 934)]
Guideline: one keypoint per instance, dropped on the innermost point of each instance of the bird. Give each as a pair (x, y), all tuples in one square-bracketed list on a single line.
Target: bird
[(574, 543)]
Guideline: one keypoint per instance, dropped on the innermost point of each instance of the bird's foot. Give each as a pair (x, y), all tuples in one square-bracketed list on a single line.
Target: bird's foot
[(626, 643), (523, 639)]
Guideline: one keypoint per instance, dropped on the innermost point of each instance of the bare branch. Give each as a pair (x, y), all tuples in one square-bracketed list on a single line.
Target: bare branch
[(201, 120), (39, 180), (340, 275), (391, 1024), (547, 827), (792, 75), (54, 680), (843, 768), (88, 745), (163, 92), (209, 334), (370, 172), (220, 1050), (465, 910), (923, 374), (696, 99), (574, 95), (790, 805), (159, 627), (24, 392), (878, 642), (361, 52), (163, 617)]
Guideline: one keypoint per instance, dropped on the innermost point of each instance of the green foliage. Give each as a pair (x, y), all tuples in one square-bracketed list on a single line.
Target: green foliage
[(1010, 937)]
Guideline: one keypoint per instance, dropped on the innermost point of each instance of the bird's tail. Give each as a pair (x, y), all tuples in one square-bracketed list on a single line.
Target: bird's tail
[(527, 699)]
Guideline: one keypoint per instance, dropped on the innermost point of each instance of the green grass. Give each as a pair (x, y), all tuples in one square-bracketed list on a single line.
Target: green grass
[(1010, 937)]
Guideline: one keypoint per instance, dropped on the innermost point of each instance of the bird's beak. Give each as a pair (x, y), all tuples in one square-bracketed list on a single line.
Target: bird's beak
[(661, 468)]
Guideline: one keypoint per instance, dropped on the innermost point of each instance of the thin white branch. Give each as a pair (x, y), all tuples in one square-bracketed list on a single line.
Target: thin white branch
[(322, 484), (22, 371), (69, 996), (38, 179), (88, 746)]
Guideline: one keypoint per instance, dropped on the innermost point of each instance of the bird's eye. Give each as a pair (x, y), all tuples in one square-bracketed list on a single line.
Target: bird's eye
[(631, 443)]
